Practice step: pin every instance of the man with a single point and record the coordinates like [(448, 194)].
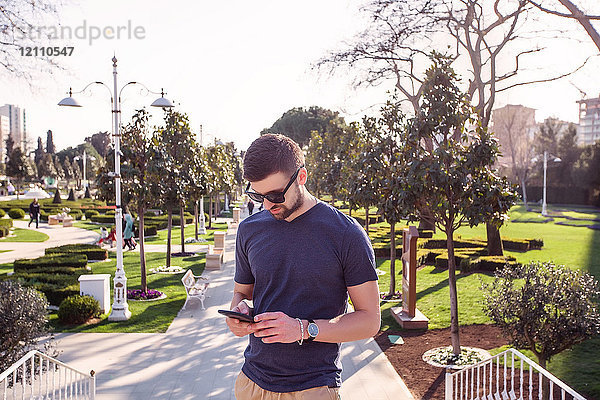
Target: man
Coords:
[(297, 261), (34, 213)]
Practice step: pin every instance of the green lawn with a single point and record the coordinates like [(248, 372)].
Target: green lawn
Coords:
[(5, 268), (90, 226), (189, 232), (577, 247), (154, 316), (25, 235)]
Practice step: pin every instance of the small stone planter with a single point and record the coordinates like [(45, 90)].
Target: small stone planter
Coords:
[(468, 356)]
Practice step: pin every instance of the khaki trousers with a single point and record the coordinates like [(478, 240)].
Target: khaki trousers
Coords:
[(246, 389)]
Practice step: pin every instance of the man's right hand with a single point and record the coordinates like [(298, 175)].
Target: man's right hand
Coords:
[(237, 327)]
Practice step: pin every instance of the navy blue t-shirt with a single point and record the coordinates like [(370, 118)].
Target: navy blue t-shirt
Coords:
[(302, 268)]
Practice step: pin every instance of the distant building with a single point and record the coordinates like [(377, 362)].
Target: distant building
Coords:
[(4, 132), (17, 125), (588, 130)]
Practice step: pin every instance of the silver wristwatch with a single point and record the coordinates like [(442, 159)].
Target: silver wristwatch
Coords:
[(313, 330)]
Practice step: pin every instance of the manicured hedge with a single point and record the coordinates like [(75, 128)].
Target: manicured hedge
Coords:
[(458, 243), (76, 214), (90, 213), (56, 260), (441, 261), (2, 213), (103, 219), (489, 263), (149, 230), (92, 251), (16, 213), (6, 222), (4, 231)]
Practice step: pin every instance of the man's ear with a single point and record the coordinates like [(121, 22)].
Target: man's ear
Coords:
[(302, 176)]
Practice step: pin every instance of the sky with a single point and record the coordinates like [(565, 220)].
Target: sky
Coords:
[(235, 67)]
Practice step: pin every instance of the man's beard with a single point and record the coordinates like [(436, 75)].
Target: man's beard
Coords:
[(285, 211)]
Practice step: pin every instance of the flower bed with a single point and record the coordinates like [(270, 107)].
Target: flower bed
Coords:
[(163, 269), (139, 295), (193, 240)]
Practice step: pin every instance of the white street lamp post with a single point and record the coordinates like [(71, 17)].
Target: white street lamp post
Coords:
[(120, 308), (544, 205), (84, 158), (202, 227)]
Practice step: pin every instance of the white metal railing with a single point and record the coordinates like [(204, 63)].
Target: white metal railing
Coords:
[(507, 375), (38, 376)]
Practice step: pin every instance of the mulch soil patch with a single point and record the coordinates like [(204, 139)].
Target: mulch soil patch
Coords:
[(426, 381)]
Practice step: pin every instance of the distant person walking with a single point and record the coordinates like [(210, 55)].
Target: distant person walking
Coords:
[(250, 207), (34, 213), (128, 231)]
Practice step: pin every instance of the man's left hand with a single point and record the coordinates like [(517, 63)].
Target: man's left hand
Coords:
[(276, 327)]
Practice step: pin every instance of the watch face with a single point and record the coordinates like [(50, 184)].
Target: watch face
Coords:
[(313, 330)]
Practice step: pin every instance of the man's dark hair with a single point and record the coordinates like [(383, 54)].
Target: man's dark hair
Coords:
[(270, 154)]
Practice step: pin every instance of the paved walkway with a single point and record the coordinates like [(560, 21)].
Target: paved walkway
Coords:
[(198, 358), (57, 236)]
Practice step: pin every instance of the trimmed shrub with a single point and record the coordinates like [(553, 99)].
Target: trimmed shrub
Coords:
[(515, 244), (103, 219), (55, 260), (16, 213), (149, 230), (92, 251), (6, 223), (111, 212), (78, 309), (4, 231), (425, 234), (91, 213), (536, 244), (458, 243), (441, 261), (491, 263), (76, 214), (2, 213)]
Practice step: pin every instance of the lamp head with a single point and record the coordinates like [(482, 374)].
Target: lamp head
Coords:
[(161, 101), (69, 101)]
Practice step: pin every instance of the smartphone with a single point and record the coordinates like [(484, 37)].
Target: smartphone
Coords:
[(236, 315)]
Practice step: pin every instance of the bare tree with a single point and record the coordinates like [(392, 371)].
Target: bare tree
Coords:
[(404, 32), (27, 23), (585, 20), (514, 125)]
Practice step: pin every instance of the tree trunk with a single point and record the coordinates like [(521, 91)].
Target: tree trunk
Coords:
[(453, 293), (196, 219), (169, 226), (367, 219), (494, 241), (182, 227), (524, 190), (144, 284), (217, 206), (210, 211), (392, 259)]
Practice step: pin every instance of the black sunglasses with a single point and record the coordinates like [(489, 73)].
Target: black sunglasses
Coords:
[(273, 197)]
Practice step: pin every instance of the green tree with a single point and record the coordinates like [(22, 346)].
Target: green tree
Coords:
[(388, 134), (50, 148), (139, 184), (45, 167), (453, 183), (19, 168), (543, 308), (101, 142), (362, 170), (39, 152), (174, 145), (298, 123)]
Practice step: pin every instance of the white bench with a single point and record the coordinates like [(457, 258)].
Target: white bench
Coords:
[(195, 287)]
